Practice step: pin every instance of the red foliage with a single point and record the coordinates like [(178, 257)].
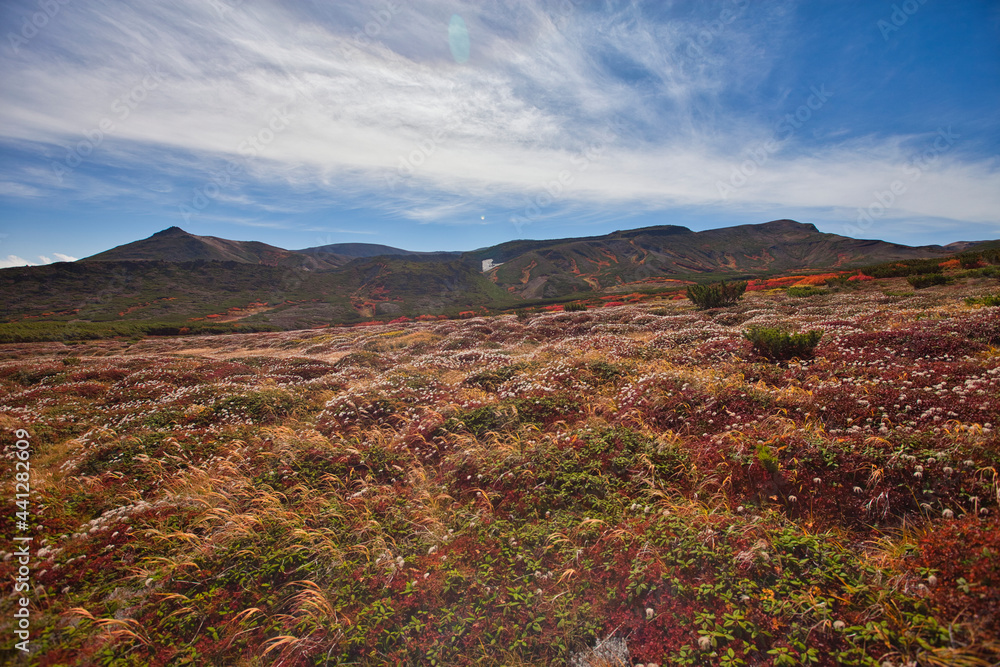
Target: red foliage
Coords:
[(964, 556)]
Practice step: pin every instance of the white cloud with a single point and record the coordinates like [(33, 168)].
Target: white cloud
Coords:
[(14, 260), (395, 121)]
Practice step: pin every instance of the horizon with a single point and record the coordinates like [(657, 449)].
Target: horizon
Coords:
[(465, 250), (429, 125)]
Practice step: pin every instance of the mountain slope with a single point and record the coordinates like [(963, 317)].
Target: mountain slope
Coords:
[(176, 245), (545, 269), (355, 250), (177, 277)]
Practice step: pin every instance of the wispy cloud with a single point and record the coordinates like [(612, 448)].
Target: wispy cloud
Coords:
[(180, 92), (14, 260)]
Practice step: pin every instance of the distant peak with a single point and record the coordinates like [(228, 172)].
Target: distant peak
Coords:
[(794, 224), (171, 231)]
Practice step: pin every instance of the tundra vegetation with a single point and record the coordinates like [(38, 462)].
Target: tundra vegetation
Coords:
[(515, 490)]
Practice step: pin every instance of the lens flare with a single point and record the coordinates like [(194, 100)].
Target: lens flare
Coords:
[(458, 39)]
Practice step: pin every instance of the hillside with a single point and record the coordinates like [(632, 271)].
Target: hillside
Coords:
[(176, 245), (513, 491), (177, 278), (533, 269)]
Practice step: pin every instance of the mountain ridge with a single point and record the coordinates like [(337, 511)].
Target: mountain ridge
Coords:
[(180, 277)]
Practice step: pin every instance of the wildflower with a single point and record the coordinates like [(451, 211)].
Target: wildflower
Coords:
[(649, 613), (948, 514), (704, 642), (839, 625)]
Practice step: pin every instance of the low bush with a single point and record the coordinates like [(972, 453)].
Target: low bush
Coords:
[(575, 307), (927, 280), (804, 291), (716, 296), (988, 300), (776, 344)]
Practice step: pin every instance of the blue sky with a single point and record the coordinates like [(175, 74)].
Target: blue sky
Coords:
[(438, 124)]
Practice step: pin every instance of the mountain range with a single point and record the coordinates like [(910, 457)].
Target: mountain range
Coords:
[(177, 276)]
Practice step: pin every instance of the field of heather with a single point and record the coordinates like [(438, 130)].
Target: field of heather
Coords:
[(625, 485)]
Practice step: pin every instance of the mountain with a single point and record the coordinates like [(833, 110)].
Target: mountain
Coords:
[(176, 245), (547, 269), (367, 250), (179, 278)]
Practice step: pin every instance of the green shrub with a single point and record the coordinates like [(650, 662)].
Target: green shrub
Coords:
[(716, 296), (605, 372), (927, 280), (971, 261), (806, 290), (776, 344), (575, 307), (767, 459), (984, 272), (491, 380), (988, 300)]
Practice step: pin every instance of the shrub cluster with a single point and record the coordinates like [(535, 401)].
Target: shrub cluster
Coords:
[(927, 280), (575, 307), (716, 296), (804, 290), (776, 344), (988, 300)]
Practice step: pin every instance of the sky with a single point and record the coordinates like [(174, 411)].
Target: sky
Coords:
[(449, 125)]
